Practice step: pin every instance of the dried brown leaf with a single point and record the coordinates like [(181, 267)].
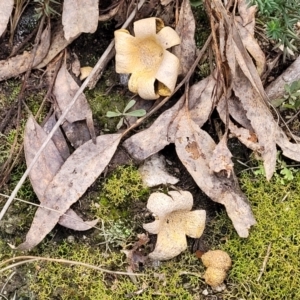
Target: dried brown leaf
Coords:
[(19, 64), (162, 131), (165, 2), (185, 28), (79, 16), (57, 44), (195, 149), (45, 169), (79, 171), (246, 12), (261, 120), (58, 137), (275, 90), (6, 7), (221, 158), (64, 90), (251, 44)]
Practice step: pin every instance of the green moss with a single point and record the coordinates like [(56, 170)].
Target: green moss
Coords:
[(118, 191), (62, 281), (276, 208), (102, 102), (9, 93)]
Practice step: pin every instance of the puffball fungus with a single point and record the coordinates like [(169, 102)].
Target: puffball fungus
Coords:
[(174, 221), (153, 69), (218, 262)]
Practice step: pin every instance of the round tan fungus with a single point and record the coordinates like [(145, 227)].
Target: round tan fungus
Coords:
[(216, 259), (214, 276)]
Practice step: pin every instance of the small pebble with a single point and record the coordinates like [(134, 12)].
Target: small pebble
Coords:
[(71, 239)]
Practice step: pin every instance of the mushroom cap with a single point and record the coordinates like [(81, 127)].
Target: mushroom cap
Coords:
[(171, 238), (153, 69), (161, 204), (174, 221), (214, 276), (216, 259)]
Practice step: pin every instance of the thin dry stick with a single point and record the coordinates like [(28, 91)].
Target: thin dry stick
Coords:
[(45, 207), (62, 117), (29, 259), (263, 267)]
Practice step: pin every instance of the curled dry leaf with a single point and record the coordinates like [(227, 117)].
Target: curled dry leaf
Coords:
[(174, 221), (6, 8), (79, 16), (57, 44), (275, 90), (45, 169), (78, 172), (185, 28), (154, 172), (19, 64), (221, 158), (195, 149), (64, 90), (250, 43)]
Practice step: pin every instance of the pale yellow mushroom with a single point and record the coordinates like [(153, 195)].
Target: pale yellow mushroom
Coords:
[(153, 69), (174, 221)]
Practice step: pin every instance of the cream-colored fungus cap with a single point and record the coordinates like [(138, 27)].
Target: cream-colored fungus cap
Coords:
[(153, 69), (174, 221)]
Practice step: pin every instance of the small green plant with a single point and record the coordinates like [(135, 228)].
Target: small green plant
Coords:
[(44, 8), (126, 113), (291, 98), (284, 173), (279, 18), (116, 233)]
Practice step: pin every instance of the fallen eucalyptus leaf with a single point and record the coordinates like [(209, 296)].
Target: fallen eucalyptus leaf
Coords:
[(261, 120), (221, 158), (58, 137), (19, 64), (47, 165), (6, 7), (79, 171), (64, 90), (195, 149), (162, 132), (57, 44), (185, 28), (79, 16)]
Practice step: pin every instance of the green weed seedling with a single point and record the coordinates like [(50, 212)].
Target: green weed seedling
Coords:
[(284, 173), (291, 98), (125, 113), (279, 18)]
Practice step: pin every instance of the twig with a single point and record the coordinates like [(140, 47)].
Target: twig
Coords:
[(30, 259), (62, 117), (51, 209), (264, 262)]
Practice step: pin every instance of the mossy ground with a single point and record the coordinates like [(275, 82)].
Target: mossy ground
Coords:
[(276, 208)]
